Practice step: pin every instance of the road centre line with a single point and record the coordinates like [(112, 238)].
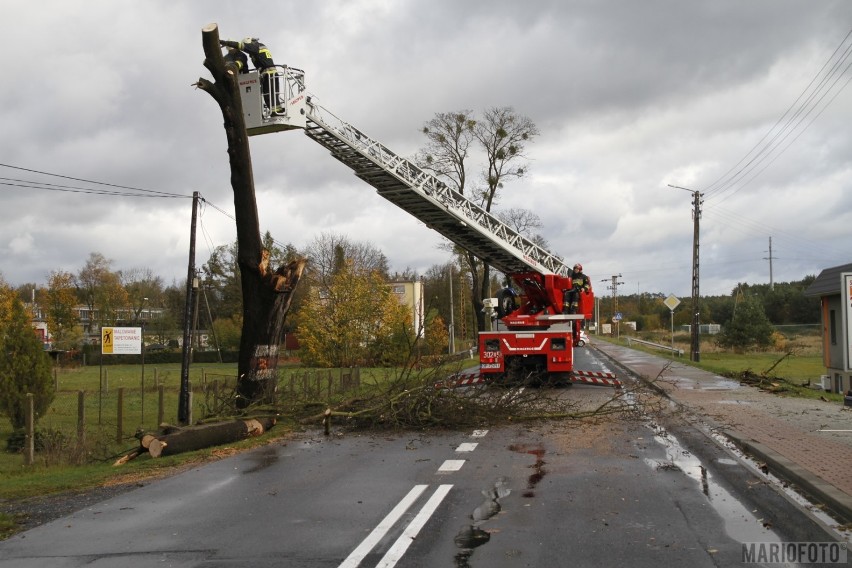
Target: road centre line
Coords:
[(382, 528), (395, 553), (451, 465)]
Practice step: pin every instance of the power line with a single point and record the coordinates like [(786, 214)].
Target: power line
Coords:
[(74, 189), (728, 181), (229, 216)]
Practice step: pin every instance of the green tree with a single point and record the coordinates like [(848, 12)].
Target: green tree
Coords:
[(749, 327), (7, 299), (24, 368), (221, 279), (59, 301), (437, 337), (228, 332), (354, 319)]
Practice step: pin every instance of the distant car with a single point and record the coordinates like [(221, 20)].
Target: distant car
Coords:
[(583, 339), (155, 347)]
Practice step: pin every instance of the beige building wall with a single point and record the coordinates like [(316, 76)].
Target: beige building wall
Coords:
[(410, 294)]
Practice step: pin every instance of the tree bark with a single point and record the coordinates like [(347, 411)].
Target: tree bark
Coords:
[(267, 293), (206, 435)]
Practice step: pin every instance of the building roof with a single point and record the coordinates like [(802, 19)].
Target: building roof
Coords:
[(828, 281)]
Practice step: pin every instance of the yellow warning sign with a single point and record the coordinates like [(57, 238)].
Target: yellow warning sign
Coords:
[(106, 340), (121, 340)]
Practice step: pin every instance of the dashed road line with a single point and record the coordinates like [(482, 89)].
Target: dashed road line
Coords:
[(451, 465), (400, 546)]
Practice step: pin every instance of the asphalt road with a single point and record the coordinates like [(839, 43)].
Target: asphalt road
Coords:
[(611, 493)]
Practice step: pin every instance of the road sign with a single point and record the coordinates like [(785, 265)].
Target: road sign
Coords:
[(121, 340), (617, 316), (671, 302)]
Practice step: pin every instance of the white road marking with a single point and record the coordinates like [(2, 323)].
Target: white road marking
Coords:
[(383, 527), (451, 465), (395, 553)]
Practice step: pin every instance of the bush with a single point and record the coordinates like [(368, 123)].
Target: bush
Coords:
[(24, 369), (749, 327)]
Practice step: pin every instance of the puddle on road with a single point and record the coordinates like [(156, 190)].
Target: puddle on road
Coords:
[(719, 384), (472, 536), (740, 523)]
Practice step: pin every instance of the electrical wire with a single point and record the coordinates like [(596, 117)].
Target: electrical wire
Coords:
[(75, 189), (830, 79)]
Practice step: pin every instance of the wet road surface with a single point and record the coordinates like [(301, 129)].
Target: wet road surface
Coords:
[(613, 492)]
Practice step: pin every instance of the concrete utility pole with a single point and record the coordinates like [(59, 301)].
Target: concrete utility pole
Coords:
[(769, 258), (695, 349)]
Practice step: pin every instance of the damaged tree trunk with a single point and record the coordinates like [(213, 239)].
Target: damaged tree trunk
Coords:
[(267, 293)]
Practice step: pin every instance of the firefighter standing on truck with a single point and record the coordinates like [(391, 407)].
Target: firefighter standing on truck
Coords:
[(580, 283), (261, 57)]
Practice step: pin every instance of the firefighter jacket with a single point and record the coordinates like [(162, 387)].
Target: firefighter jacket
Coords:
[(260, 56)]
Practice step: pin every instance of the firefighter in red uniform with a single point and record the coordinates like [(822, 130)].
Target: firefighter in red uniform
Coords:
[(261, 58), (580, 284)]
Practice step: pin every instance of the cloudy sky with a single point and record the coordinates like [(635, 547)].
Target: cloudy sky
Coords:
[(745, 101)]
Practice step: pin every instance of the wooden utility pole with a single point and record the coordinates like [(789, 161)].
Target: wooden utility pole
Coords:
[(267, 292), (183, 396)]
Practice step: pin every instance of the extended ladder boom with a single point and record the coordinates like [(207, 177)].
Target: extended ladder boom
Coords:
[(408, 186)]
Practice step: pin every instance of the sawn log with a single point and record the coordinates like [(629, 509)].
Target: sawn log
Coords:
[(192, 438)]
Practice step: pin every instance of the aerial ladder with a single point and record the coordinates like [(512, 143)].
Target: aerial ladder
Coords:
[(538, 338)]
